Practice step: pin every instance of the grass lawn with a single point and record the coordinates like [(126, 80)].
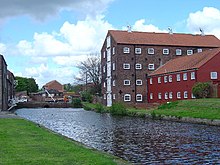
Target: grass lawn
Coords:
[(23, 142)]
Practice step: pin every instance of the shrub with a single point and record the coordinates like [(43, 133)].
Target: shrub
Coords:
[(118, 109), (77, 103), (168, 105), (201, 90), (86, 96), (99, 108)]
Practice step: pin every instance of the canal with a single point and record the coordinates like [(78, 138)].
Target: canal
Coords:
[(140, 141)]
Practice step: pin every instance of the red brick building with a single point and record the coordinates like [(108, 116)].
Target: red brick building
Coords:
[(128, 57), (174, 80), (55, 85)]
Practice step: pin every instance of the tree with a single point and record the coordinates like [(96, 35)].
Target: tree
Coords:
[(90, 72), (26, 84), (201, 90)]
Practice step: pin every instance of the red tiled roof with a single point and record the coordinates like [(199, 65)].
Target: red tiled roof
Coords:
[(51, 82), (187, 62), (167, 39)]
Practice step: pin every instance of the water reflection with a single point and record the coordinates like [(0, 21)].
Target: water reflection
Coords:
[(141, 141)]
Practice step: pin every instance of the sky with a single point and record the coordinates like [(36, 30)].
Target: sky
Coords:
[(46, 40)]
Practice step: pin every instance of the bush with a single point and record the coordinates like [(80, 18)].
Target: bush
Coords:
[(118, 109), (201, 90), (77, 103), (99, 108), (86, 96), (168, 105)]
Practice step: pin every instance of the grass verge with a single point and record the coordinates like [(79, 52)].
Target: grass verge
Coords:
[(23, 142)]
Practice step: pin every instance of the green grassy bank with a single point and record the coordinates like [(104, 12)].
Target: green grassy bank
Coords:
[(196, 108), (23, 142)]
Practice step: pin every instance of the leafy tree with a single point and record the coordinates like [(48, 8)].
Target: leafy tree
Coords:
[(201, 90), (90, 72), (26, 84)]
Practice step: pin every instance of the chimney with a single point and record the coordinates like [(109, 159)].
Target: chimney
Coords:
[(129, 28)]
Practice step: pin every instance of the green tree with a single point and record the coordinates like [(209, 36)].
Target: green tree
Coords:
[(26, 84), (201, 90)]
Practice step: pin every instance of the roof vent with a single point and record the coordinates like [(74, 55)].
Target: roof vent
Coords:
[(129, 28), (202, 32), (170, 30)]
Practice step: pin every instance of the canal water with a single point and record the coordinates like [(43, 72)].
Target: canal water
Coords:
[(140, 141)]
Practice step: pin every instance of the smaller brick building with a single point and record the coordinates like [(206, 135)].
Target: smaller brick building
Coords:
[(174, 80), (55, 85)]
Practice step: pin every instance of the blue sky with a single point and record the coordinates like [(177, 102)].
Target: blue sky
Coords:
[(47, 39)]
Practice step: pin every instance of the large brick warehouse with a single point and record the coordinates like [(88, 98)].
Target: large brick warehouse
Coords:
[(127, 58)]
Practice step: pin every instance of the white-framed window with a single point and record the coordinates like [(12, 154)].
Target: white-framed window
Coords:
[(166, 95), (127, 97), (138, 82), (113, 96), (199, 50), (108, 44), (178, 95), (137, 50), (127, 82), (170, 95), (159, 80), (193, 76), (104, 84), (104, 54), (184, 76), (139, 97), (150, 50), (150, 66), (151, 81), (103, 69), (113, 66), (126, 50), (138, 66), (104, 96), (177, 77), (170, 78), (213, 75), (126, 66), (113, 50), (151, 96), (192, 96), (159, 96), (166, 51), (178, 52), (165, 79), (189, 52), (185, 95), (113, 83)]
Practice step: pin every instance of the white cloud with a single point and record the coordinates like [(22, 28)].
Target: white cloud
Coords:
[(69, 60), (2, 48), (140, 25), (208, 19)]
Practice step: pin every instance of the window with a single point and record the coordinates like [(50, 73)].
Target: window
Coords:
[(189, 52), (170, 78), (166, 95), (138, 66), (193, 77), (137, 50), (139, 97), (113, 83), (150, 66), (104, 96), (113, 50), (178, 52), (126, 50), (113, 96), (127, 82), (171, 95), (126, 66), (104, 54), (192, 96), (159, 96), (185, 95), (151, 81), (178, 95), (214, 75), (127, 97), (113, 66), (178, 77), (104, 85), (108, 41), (165, 79), (138, 82), (159, 80), (184, 76), (165, 51), (199, 50), (103, 69), (151, 96), (150, 50)]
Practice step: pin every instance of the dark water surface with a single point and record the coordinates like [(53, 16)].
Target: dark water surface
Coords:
[(140, 141)]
